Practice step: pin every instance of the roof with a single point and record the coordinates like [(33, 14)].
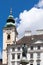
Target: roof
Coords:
[(30, 39), (25, 39)]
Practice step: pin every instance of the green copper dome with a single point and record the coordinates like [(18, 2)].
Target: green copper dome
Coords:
[(10, 20)]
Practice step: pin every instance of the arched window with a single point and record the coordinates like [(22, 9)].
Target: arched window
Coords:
[(8, 37)]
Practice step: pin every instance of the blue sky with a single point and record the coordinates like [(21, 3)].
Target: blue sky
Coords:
[(30, 13), (18, 6)]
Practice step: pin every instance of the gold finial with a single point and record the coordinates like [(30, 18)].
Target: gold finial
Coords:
[(11, 11)]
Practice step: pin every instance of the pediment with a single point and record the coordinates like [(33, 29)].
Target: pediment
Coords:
[(38, 42)]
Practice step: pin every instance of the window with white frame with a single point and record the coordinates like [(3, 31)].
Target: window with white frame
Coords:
[(18, 56), (13, 49), (13, 56), (31, 55), (38, 55), (38, 47), (31, 47), (13, 63), (18, 63), (18, 48)]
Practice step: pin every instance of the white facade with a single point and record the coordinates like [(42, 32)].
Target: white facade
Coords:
[(28, 33), (34, 54), (39, 32), (12, 52)]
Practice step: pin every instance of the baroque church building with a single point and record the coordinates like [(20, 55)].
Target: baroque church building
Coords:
[(12, 49)]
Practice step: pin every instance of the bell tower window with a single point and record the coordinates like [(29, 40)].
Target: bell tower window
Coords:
[(8, 37)]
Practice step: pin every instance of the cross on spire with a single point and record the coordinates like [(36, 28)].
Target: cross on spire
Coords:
[(11, 11)]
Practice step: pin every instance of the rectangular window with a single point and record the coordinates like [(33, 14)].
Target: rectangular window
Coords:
[(18, 63), (18, 48), (18, 55), (13, 63), (31, 55), (13, 49), (38, 55), (13, 56), (31, 47), (38, 47)]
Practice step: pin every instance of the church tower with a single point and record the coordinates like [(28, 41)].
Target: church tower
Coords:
[(9, 35)]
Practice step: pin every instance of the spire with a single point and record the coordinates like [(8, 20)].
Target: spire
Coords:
[(10, 20), (11, 11)]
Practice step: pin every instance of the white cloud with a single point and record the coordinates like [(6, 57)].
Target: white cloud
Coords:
[(40, 4), (17, 22), (32, 19)]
